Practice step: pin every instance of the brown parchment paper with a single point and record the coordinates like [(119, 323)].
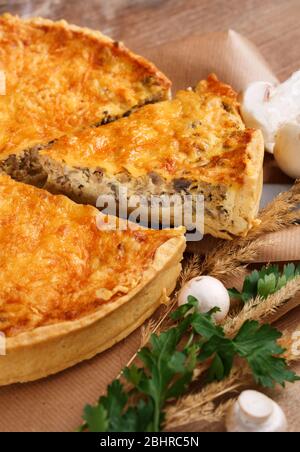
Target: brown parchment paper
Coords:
[(56, 403), (230, 55)]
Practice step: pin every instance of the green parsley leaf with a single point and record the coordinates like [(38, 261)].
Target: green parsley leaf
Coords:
[(250, 285), (96, 418), (162, 362), (183, 310), (266, 285), (234, 293), (205, 326), (265, 282), (223, 350), (114, 404), (256, 343)]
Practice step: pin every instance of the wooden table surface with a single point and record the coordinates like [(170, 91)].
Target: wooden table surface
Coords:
[(273, 25)]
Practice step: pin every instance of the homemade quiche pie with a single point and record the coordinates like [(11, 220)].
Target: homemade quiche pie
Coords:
[(59, 78), (69, 290), (194, 144)]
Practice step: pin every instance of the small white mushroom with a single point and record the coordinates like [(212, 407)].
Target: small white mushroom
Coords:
[(255, 412), (287, 149), (209, 292), (268, 107)]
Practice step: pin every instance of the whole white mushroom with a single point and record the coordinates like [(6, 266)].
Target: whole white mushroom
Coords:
[(255, 412), (209, 292), (255, 111), (287, 149), (267, 107)]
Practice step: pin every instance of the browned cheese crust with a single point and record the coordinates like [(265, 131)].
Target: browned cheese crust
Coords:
[(194, 144), (69, 289), (61, 77)]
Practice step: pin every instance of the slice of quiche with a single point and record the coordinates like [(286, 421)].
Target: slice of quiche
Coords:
[(60, 77), (69, 290), (195, 144)]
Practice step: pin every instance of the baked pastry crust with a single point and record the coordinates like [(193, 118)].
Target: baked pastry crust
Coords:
[(68, 289), (194, 144), (61, 77)]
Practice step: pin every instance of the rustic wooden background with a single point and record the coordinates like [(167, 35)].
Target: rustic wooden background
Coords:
[(271, 24)]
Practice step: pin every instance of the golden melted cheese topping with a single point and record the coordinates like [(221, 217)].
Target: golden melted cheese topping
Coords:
[(61, 77), (198, 134), (56, 265)]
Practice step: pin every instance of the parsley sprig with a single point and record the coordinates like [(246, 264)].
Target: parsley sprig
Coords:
[(168, 363), (265, 282)]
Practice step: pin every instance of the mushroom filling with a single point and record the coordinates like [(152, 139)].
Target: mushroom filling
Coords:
[(85, 185), (25, 167)]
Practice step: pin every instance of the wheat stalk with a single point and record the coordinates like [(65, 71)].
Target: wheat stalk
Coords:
[(229, 257), (280, 213), (259, 309), (203, 406)]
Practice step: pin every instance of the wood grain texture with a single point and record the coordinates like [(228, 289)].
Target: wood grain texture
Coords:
[(273, 25)]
